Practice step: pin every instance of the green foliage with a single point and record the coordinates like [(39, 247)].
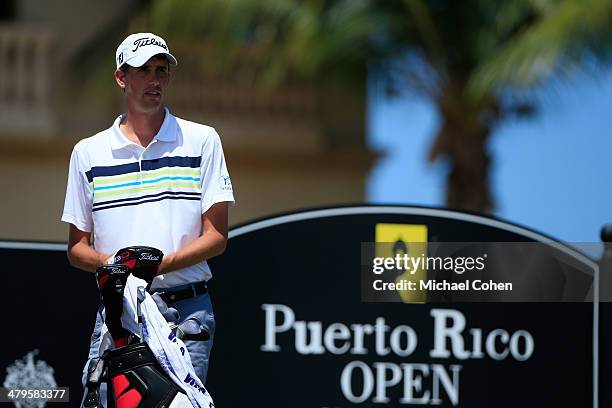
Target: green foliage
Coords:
[(562, 34), (279, 39), (475, 59), (481, 46)]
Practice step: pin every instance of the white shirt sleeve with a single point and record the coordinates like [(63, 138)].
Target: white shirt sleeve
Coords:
[(79, 195), (216, 182)]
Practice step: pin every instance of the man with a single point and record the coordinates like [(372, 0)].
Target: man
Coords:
[(156, 180)]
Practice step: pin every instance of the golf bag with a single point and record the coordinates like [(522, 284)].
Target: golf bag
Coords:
[(134, 377)]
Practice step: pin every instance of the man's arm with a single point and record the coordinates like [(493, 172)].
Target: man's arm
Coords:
[(211, 243), (80, 253)]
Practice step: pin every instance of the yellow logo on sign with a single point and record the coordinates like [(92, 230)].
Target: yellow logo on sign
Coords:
[(408, 239)]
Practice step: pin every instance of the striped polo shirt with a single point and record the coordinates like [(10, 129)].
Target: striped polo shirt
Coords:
[(130, 195)]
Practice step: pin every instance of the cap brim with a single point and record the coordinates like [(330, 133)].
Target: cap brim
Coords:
[(140, 59)]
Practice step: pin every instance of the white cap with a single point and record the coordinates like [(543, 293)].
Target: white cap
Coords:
[(137, 48)]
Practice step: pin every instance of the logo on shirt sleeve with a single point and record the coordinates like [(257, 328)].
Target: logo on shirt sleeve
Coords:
[(226, 183)]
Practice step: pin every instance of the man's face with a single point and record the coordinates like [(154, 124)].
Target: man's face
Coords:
[(144, 86)]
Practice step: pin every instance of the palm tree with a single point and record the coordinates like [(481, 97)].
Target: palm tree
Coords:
[(474, 59)]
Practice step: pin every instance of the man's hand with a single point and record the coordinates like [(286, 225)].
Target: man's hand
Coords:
[(166, 264)]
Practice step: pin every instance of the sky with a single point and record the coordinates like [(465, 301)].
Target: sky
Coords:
[(552, 173)]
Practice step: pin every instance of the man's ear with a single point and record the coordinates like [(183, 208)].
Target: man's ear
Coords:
[(120, 78)]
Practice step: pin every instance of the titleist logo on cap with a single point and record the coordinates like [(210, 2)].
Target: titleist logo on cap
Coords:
[(141, 42), (138, 48)]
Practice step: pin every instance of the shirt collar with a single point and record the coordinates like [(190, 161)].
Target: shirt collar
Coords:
[(167, 131)]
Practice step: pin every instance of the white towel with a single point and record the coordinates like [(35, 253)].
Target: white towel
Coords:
[(169, 350)]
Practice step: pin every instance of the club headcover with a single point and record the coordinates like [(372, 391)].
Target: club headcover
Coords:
[(142, 261)]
